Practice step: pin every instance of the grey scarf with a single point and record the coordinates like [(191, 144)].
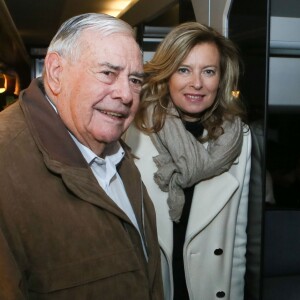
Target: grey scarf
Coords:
[(184, 161)]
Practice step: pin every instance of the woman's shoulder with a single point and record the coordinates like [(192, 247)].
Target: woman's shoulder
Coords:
[(138, 141), (247, 142), (246, 130)]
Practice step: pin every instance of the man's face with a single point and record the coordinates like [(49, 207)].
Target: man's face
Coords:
[(100, 90)]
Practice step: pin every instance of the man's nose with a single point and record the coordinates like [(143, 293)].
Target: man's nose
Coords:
[(122, 90)]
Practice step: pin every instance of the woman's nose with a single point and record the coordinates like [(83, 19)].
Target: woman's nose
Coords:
[(196, 81)]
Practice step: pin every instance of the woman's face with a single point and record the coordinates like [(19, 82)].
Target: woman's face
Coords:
[(194, 85)]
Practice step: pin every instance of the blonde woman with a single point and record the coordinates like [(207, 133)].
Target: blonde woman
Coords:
[(193, 151)]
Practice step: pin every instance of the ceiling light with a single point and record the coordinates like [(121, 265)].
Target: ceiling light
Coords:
[(3, 83), (118, 8)]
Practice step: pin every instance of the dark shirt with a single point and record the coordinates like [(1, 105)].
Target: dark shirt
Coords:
[(179, 229)]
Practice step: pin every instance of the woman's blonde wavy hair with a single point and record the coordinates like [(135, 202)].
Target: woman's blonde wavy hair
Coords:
[(170, 53)]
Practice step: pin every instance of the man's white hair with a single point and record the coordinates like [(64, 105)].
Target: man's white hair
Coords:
[(66, 42)]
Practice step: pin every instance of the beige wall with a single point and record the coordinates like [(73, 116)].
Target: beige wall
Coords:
[(213, 13)]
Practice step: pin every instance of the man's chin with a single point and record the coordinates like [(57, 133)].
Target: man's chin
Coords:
[(111, 139)]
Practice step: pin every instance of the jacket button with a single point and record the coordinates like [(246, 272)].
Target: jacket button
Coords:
[(220, 294), (218, 251)]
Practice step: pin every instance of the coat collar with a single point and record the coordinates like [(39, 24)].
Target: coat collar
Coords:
[(47, 128)]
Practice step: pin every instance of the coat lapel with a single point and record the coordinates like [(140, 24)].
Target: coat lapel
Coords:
[(85, 186), (210, 196), (133, 186)]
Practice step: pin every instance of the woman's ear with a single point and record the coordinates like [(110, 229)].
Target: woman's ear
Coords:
[(53, 69)]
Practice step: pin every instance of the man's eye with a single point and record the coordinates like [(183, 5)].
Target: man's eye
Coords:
[(136, 84), (107, 76), (136, 81), (107, 73)]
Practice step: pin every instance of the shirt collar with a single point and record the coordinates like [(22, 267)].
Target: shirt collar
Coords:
[(115, 155)]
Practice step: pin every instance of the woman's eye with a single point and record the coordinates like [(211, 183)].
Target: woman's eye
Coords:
[(183, 70), (209, 72)]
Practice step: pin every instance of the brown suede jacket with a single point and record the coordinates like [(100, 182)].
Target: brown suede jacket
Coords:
[(61, 236)]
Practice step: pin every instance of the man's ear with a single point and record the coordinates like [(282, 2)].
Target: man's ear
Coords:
[(53, 68)]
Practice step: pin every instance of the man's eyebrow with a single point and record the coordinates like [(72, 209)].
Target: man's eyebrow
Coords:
[(141, 75), (109, 65), (119, 68)]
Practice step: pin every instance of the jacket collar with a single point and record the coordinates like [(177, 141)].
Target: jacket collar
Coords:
[(47, 128)]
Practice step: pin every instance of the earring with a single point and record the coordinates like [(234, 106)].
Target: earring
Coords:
[(235, 94)]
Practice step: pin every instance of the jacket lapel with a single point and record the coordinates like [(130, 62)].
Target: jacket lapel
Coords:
[(210, 196), (84, 185), (133, 186), (134, 189)]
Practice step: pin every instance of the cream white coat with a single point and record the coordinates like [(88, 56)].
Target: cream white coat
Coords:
[(218, 220)]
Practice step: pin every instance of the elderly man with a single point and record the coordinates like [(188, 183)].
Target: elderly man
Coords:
[(75, 219)]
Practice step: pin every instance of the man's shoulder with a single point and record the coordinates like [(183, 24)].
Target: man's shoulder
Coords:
[(12, 124)]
